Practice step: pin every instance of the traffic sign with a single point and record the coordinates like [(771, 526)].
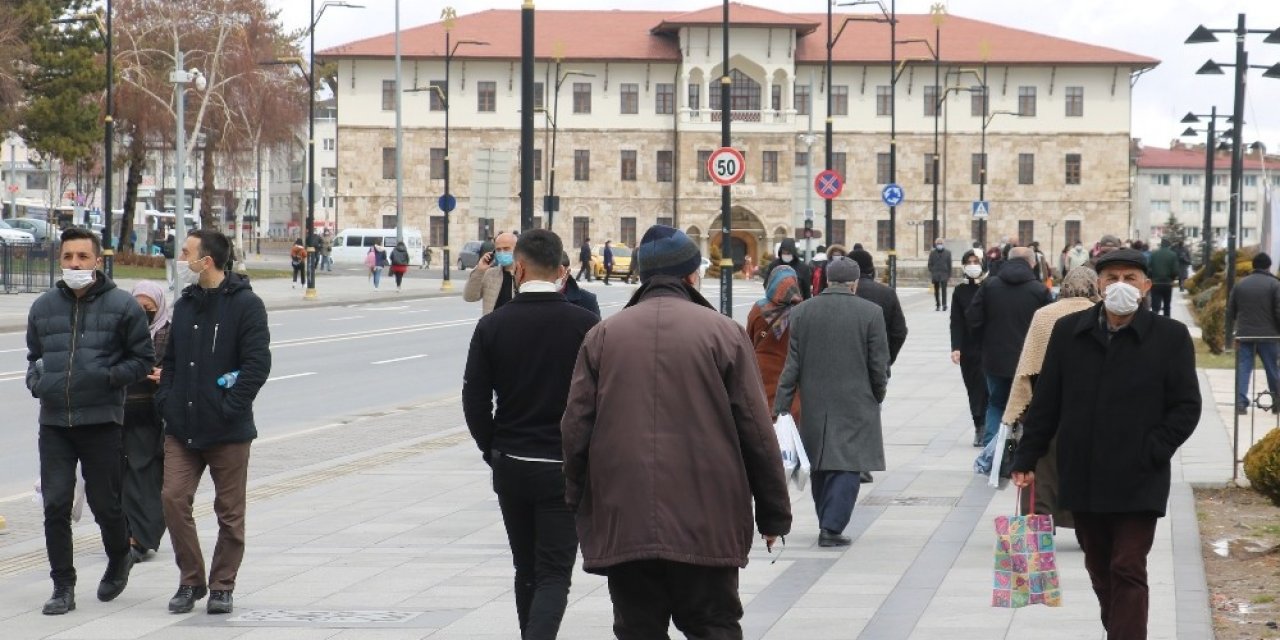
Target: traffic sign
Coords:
[(892, 194), (448, 203), (13, 188), (828, 184), (981, 208), (726, 166)]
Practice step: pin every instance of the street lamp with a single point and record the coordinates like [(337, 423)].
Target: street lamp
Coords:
[(938, 11), (982, 169), (180, 78), (1210, 144), (551, 204), (829, 134)]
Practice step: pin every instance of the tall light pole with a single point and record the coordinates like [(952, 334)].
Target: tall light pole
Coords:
[(982, 169), (399, 137), (526, 115), (180, 77), (726, 206), (552, 203), (108, 137), (1210, 151), (889, 15)]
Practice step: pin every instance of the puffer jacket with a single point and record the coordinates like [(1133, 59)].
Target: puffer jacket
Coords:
[(214, 332), (83, 352)]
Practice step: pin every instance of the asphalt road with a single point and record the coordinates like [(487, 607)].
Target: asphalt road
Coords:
[(330, 364)]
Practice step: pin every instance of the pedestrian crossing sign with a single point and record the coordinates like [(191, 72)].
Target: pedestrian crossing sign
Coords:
[(981, 208)]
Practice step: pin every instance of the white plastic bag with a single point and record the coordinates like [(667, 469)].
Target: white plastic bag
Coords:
[(795, 462), (77, 507), (998, 455)]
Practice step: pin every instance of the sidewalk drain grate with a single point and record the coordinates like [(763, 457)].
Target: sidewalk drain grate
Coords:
[(910, 501), (325, 617)]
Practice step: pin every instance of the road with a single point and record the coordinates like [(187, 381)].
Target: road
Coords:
[(329, 364)]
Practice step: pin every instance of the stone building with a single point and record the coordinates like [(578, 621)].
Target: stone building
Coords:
[(640, 114)]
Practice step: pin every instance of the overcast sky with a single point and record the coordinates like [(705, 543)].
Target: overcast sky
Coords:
[(1155, 28)]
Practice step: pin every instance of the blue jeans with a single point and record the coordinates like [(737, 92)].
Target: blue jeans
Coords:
[(1244, 368), (834, 493), (997, 397), (377, 276)]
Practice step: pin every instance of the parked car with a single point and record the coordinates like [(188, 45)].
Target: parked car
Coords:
[(469, 256), (42, 230), (621, 260), (11, 235)]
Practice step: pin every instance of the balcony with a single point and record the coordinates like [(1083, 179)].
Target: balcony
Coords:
[(748, 116)]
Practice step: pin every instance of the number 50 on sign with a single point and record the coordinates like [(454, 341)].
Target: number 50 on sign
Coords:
[(726, 166)]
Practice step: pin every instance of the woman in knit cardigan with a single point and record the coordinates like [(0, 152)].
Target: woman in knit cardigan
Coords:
[(1079, 291)]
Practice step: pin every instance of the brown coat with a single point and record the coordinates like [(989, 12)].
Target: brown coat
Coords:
[(771, 355), (667, 437)]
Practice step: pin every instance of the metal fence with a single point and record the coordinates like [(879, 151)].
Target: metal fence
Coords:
[(28, 267)]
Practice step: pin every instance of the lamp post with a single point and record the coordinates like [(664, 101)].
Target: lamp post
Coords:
[(829, 135), (982, 169), (726, 210), (526, 114), (552, 204), (1210, 149), (180, 77)]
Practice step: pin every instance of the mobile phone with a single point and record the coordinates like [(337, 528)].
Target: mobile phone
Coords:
[(488, 258)]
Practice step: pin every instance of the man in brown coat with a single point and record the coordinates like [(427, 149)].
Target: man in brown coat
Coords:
[(667, 442)]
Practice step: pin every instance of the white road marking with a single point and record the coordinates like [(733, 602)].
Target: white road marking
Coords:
[(13, 373), (345, 318), (371, 333), (422, 355), (12, 350), (296, 375), (373, 308), (418, 311)]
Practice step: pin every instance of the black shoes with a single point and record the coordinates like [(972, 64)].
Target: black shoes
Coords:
[(185, 599), (62, 601), (1242, 411), (116, 578), (219, 602), (977, 439), (865, 477), (832, 539)]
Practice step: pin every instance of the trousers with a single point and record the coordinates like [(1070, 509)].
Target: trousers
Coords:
[(228, 465), (940, 294), (998, 388), (97, 449), (834, 494), (649, 595), (975, 383), (1162, 298), (143, 473), (1267, 352), (1115, 554)]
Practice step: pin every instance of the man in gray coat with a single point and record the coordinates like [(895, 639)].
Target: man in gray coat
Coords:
[(939, 273), (835, 336), (1254, 309)]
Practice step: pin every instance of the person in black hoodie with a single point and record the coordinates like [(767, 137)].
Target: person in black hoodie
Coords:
[(999, 317), (219, 357), (966, 348), (521, 440), (575, 294), (886, 297), (787, 255)]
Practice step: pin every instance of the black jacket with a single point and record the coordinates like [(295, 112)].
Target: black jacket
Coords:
[(894, 321), (803, 274), (214, 332), (962, 337), (584, 253), (1001, 314), (580, 297), (1121, 404), (399, 256), (1254, 306), (83, 352)]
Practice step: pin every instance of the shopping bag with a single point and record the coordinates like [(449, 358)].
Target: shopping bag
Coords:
[(795, 463), (77, 504), (1026, 570), (996, 459)]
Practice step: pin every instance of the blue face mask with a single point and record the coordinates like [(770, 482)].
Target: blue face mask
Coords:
[(504, 258)]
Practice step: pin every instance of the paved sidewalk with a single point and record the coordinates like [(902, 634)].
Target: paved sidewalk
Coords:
[(406, 541)]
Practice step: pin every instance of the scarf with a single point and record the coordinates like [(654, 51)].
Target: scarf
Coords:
[(156, 293), (780, 297)]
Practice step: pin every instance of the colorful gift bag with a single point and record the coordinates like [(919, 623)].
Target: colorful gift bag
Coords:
[(1026, 570)]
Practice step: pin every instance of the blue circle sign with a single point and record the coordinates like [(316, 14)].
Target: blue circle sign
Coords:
[(448, 203), (892, 194)]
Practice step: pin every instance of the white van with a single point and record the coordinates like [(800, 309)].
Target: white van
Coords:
[(351, 245)]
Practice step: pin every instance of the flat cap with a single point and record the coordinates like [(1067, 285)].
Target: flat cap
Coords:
[(842, 269), (1125, 257)]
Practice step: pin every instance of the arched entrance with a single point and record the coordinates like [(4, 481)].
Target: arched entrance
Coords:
[(746, 239)]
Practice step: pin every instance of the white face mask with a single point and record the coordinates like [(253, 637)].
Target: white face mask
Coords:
[(786, 258), (185, 274), (972, 271), (1122, 298), (77, 278)]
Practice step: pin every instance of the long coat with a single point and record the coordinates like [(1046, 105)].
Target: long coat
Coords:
[(838, 357), (771, 355), (1120, 404)]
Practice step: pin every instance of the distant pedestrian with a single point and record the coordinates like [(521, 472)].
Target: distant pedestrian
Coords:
[(86, 341), (575, 294), (667, 448), (426, 258), (820, 274), (1164, 270), (1184, 263), (939, 273), (584, 261), (521, 440), (607, 255), (966, 346), (399, 263), (1118, 426), (790, 257), (298, 260), (493, 287), (868, 289), (993, 261), (839, 361), (769, 327), (144, 434), (326, 251), (376, 260), (1253, 307), (220, 336), (1078, 257)]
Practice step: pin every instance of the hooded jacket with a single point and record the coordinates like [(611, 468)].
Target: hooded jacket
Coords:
[(803, 274), (1001, 313), (83, 352), (214, 332)]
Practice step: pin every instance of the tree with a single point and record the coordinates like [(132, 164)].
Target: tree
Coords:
[(13, 49), (1174, 231)]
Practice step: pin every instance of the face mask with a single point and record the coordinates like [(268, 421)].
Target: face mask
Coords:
[(938, 247), (786, 258), (504, 258), (77, 278), (1122, 298), (972, 271), (185, 274)]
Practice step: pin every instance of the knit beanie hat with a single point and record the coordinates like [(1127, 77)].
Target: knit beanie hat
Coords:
[(842, 269), (667, 251), (865, 263)]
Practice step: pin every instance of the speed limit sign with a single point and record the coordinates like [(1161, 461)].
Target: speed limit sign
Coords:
[(726, 166)]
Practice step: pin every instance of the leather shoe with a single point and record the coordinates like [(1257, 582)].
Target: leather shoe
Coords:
[(185, 599), (977, 439), (62, 601), (116, 577), (865, 477), (219, 602), (831, 539)]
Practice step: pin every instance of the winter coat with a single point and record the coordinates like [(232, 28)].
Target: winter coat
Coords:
[(1001, 314), (607, 256), (584, 253), (581, 297), (962, 337), (1077, 257), (803, 274), (83, 352), (771, 356), (667, 437), (887, 299), (1254, 306), (940, 265), (838, 357), (379, 257), (214, 332), (144, 390), (1121, 404), (1163, 266), (485, 286), (399, 257)]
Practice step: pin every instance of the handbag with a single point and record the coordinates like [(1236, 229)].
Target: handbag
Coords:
[(1026, 568)]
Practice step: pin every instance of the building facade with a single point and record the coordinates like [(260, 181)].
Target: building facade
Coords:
[(637, 112)]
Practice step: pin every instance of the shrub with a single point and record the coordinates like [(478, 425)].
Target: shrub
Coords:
[(1262, 466)]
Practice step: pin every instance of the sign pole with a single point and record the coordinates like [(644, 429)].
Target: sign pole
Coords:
[(726, 218)]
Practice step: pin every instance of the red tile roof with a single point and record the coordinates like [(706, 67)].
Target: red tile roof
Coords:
[(648, 36), (1192, 159)]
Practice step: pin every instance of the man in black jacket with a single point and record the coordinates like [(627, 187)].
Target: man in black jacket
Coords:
[(219, 356), (886, 297), (1118, 426), (521, 440), (1000, 316), (82, 407), (787, 255), (1254, 309), (584, 260), (575, 294)]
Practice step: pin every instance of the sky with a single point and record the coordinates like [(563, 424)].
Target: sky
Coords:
[(1154, 28)]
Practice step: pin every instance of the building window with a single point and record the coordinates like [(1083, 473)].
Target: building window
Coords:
[(769, 166), (1026, 101), (1072, 230), (435, 231), (581, 230), (627, 232), (839, 100), (744, 93), (1075, 102), (1219, 206), (802, 159), (838, 164), (884, 99), (388, 163), (803, 98), (930, 101), (1161, 179), (630, 98), (666, 221), (539, 102), (581, 165), (1159, 205), (437, 163), (703, 156), (882, 169), (666, 168), (1026, 232), (1250, 181), (882, 234), (978, 164), (1221, 180), (775, 100), (837, 232), (1190, 206), (1190, 179), (1073, 168), (582, 97), (927, 236), (930, 169), (628, 165), (695, 96), (388, 95), (537, 164), (1026, 168), (665, 99), (978, 102), (436, 96), (330, 144), (487, 96), (1249, 206)]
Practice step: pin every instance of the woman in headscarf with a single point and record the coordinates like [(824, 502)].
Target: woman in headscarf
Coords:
[(768, 324), (1078, 292), (144, 434), (966, 348)]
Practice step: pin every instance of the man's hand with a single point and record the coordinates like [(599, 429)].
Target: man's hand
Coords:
[(955, 357), (1024, 479), (155, 375), (769, 541), (485, 262)]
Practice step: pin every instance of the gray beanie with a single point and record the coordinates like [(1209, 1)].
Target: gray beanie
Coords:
[(843, 269), (668, 251)]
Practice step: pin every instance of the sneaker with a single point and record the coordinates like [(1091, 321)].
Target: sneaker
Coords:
[(219, 602), (185, 599), (116, 578), (62, 601)]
